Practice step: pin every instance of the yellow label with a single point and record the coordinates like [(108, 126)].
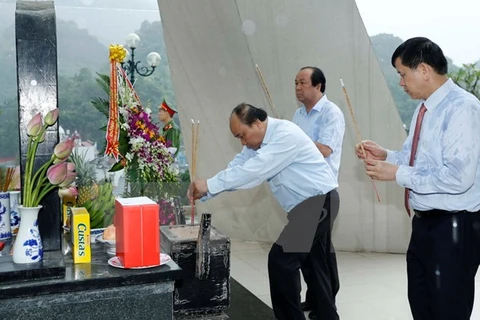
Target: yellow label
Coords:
[(81, 235), (67, 204)]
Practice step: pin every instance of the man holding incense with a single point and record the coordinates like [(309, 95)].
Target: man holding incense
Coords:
[(279, 152), (324, 123), (439, 167), (170, 130)]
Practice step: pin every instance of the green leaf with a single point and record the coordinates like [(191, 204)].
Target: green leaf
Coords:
[(116, 167)]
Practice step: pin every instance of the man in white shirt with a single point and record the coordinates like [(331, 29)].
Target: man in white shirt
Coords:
[(439, 167), (279, 152), (324, 123)]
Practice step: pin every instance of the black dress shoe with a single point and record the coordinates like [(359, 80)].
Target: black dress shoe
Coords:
[(312, 315), (305, 306)]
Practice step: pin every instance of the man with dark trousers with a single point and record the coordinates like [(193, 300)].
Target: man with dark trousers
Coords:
[(324, 123), (439, 167), (279, 152)]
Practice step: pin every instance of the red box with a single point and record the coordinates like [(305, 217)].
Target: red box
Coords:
[(137, 232)]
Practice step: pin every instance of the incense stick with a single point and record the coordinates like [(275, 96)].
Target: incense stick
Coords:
[(359, 137), (193, 173), (267, 93)]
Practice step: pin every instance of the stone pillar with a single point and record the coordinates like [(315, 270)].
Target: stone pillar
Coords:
[(36, 42)]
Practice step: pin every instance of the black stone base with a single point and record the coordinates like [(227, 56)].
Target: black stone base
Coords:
[(93, 291), (52, 267), (243, 305), (194, 297), (221, 316)]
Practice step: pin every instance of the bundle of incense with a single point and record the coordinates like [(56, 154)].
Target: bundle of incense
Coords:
[(5, 178)]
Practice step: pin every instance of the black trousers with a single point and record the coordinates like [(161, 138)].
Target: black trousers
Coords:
[(332, 205), (303, 240), (442, 260)]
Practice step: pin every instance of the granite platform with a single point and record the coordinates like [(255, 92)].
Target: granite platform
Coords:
[(95, 290)]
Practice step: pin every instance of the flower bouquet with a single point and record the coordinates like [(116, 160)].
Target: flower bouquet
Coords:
[(133, 139), (53, 174)]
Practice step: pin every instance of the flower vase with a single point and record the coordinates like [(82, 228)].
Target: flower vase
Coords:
[(5, 230), (28, 244), (14, 213)]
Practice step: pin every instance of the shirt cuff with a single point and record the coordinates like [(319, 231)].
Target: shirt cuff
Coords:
[(214, 186), (206, 197), (390, 156), (404, 176)]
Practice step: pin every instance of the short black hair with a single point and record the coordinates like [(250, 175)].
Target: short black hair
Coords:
[(248, 114), (421, 50), (317, 78)]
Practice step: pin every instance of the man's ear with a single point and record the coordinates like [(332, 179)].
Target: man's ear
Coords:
[(425, 69), (257, 124)]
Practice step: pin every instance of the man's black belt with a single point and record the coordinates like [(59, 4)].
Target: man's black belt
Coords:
[(435, 213)]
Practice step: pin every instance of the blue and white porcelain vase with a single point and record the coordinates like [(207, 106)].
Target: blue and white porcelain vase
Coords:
[(28, 244), (5, 230), (14, 213)]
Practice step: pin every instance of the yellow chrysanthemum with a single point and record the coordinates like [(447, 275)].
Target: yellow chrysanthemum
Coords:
[(117, 53)]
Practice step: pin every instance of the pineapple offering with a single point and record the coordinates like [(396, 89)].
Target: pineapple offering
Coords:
[(97, 198)]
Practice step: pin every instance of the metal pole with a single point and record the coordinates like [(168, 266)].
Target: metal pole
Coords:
[(132, 67)]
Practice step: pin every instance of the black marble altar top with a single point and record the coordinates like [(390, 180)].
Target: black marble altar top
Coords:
[(89, 276)]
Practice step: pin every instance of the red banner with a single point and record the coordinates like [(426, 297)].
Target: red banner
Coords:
[(113, 131)]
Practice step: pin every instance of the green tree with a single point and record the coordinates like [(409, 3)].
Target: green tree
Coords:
[(468, 78), (76, 111)]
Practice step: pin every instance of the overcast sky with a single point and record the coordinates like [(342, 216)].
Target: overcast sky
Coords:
[(453, 25)]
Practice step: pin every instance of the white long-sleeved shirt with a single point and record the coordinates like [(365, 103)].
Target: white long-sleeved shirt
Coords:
[(324, 124), (288, 159), (446, 172)]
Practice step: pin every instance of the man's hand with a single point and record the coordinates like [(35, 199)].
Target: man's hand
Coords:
[(372, 151), (197, 190), (380, 170)]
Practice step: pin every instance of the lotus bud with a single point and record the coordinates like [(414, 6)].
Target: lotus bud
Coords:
[(70, 166), (64, 149), (41, 138), (69, 178), (51, 117), (57, 173), (67, 192), (35, 125)]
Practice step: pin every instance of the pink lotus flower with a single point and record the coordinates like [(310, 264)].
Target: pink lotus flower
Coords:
[(35, 125), (57, 173), (70, 166), (69, 178), (71, 191), (51, 117), (63, 150), (37, 183)]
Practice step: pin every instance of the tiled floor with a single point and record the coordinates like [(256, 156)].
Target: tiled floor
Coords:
[(372, 285)]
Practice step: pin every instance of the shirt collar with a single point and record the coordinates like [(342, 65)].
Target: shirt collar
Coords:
[(320, 103), (271, 122), (318, 106), (435, 98)]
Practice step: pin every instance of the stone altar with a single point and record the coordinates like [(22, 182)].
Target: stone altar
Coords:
[(194, 297), (90, 291)]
